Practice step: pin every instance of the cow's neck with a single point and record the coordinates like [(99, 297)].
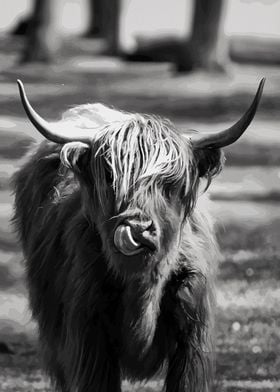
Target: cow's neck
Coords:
[(141, 305)]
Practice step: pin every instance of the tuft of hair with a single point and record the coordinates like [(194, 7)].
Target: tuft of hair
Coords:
[(140, 151)]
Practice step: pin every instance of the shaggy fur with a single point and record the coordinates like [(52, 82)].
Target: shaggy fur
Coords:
[(104, 316)]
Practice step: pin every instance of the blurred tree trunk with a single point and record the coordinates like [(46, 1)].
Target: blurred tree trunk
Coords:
[(112, 14), (97, 19), (207, 46), (21, 27), (43, 40), (105, 22)]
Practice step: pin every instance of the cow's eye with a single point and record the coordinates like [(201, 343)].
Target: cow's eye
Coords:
[(174, 190), (108, 175), (169, 191)]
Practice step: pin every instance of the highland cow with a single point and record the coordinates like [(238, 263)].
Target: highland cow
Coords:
[(120, 252)]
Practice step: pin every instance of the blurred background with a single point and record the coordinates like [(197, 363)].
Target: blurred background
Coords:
[(198, 63)]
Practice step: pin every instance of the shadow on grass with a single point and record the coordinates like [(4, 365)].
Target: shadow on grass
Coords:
[(8, 241), (9, 279), (254, 268), (14, 145), (245, 154), (235, 237)]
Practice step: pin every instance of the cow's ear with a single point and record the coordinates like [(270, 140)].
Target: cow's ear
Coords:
[(209, 162), (75, 156)]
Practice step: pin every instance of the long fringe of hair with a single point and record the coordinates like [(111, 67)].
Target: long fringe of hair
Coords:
[(140, 153)]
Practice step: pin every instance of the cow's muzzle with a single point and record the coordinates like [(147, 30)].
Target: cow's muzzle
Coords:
[(133, 236)]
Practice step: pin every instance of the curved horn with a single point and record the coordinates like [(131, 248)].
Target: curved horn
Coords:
[(47, 130), (230, 135)]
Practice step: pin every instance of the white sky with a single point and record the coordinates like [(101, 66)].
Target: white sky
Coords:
[(159, 16)]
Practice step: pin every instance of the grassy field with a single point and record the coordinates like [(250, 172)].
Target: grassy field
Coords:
[(246, 201)]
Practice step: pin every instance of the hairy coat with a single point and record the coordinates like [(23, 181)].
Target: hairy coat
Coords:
[(104, 315)]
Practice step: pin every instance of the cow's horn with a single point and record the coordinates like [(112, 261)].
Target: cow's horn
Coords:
[(50, 131), (230, 135)]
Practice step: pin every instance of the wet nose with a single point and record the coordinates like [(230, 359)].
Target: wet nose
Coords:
[(138, 226), (143, 232)]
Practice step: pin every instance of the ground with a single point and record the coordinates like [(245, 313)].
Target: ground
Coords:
[(245, 200)]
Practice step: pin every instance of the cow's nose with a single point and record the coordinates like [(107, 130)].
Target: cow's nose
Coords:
[(143, 232), (133, 236), (139, 226)]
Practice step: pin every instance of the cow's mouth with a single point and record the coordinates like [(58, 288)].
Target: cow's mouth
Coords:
[(124, 241)]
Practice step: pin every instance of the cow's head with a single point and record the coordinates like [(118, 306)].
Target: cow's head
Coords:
[(139, 177)]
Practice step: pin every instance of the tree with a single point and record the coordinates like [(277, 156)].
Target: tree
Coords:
[(97, 20), (43, 39), (112, 10), (207, 46), (105, 22)]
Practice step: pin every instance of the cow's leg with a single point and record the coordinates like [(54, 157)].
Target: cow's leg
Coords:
[(190, 363), (106, 379)]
